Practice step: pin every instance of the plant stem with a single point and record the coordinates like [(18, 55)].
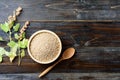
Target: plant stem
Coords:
[(19, 57), (10, 35)]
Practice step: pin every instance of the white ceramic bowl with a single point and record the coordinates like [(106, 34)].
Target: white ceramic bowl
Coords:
[(33, 36)]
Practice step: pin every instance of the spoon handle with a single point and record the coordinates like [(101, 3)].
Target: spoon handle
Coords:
[(49, 68)]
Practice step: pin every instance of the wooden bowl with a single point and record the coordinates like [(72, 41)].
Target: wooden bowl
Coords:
[(44, 46)]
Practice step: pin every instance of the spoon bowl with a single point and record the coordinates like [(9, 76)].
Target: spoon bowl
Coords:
[(68, 53)]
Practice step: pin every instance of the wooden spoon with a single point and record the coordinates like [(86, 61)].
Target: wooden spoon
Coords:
[(68, 53)]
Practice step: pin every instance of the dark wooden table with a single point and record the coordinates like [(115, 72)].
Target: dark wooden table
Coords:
[(92, 27)]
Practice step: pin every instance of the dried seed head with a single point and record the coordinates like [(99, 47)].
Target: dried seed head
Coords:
[(19, 9), (27, 23), (17, 13), (10, 18), (20, 36), (23, 29), (14, 18), (25, 26)]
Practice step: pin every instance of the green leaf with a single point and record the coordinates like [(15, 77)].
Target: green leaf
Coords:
[(16, 27), (5, 27), (23, 35), (2, 52), (11, 44), (16, 36), (7, 53), (12, 56), (22, 54), (12, 53), (1, 58), (1, 39), (23, 43), (11, 23)]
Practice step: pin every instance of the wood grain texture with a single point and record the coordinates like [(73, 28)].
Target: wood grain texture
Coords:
[(63, 10), (90, 26), (96, 44), (62, 76)]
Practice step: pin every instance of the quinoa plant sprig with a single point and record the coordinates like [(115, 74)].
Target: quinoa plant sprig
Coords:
[(17, 39)]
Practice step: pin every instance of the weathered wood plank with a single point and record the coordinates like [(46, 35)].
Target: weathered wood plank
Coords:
[(57, 10), (97, 48), (97, 44), (80, 34), (77, 34), (93, 59), (62, 76)]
